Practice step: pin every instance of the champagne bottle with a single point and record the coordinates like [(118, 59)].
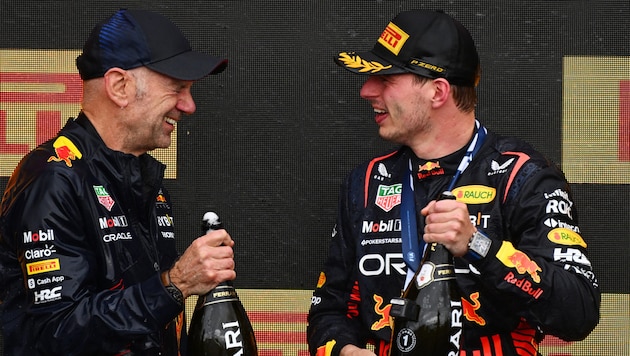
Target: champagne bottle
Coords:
[(219, 325), (427, 318)]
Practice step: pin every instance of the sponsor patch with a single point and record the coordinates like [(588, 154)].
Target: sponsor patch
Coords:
[(393, 38), (499, 168), (42, 266), (475, 194), (65, 151), (430, 169), (388, 196), (514, 258), (103, 197), (567, 237)]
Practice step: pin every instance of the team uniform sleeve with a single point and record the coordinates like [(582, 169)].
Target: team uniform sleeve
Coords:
[(333, 319), (71, 313), (542, 265)]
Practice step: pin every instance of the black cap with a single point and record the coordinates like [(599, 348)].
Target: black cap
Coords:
[(136, 38), (429, 43)]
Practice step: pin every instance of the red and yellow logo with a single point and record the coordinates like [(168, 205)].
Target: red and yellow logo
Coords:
[(393, 38), (475, 194), (430, 169), (322, 280), (567, 237), (42, 266), (514, 258), (429, 166), (383, 312), (66, 151), (470, 309)]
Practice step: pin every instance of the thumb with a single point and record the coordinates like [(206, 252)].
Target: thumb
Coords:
[(427, 209)]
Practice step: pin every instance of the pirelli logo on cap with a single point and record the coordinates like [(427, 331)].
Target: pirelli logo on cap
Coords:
[(393, 38)]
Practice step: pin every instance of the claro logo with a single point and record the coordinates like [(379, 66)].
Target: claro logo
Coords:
[(35, 253)]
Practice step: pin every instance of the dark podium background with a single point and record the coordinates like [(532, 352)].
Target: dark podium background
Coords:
[(274, 135)]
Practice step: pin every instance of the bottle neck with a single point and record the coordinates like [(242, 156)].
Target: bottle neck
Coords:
[(438, 254)]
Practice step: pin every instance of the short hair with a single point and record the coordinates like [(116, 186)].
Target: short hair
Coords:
[(465, 97)]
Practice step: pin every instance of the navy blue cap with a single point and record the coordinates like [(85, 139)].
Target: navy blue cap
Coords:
[(428, 43), (136, 38)]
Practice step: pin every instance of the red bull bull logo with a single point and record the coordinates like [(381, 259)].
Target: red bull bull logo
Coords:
[(65, 151), (430, 169), (514, 258), (470, 309), (429, 166), (383, 312)]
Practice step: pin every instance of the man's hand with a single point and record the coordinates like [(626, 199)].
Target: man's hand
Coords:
[(448, 222), (351, 350), (208, 261)]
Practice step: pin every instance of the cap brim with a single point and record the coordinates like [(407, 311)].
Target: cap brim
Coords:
[(367, 63), (189, 65)]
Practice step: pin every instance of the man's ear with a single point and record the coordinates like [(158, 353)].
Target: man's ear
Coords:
[(442, 91), (117, 86)]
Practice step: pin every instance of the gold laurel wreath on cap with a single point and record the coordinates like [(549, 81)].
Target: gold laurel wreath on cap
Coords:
[(354, 61)]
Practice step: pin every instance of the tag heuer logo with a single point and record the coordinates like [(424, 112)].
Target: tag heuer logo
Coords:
[(388, 196), (103, 197)]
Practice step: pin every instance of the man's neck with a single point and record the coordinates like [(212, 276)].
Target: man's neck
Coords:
[(444, 139)]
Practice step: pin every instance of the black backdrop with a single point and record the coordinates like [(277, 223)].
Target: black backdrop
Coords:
[(275, 133)]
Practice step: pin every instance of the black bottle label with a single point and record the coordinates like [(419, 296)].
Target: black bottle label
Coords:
[(221, 294), (430, 273)]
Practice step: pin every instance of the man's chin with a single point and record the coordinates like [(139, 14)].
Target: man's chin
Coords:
[(387, 135)]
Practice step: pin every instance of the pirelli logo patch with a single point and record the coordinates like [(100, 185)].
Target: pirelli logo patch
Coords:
[(42, 266), (393, 38)]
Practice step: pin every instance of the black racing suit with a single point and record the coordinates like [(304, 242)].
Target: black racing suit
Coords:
[(85, 232), (535, 280)]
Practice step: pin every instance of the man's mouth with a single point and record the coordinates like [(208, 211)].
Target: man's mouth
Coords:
[(170, 121), (380, 115)]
